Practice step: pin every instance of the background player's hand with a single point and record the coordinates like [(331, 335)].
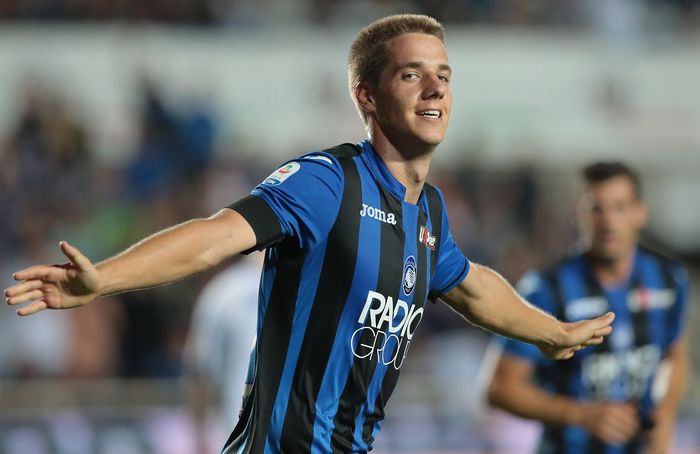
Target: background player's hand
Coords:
[(579, 335), (612, 423), (55, 286), (659, 438)]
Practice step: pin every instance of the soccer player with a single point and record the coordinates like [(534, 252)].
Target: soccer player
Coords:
[(621, 395), (356, 241)]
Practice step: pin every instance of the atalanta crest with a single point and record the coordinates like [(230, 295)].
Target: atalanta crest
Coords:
[(409, 275)]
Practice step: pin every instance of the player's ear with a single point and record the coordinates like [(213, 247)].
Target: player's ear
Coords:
[(365, 98)]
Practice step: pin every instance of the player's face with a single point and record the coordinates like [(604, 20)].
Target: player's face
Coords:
[(613, 216), (413, 97)]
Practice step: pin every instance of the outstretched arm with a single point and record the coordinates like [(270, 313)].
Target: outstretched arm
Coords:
[(486, 299), (169, 255)]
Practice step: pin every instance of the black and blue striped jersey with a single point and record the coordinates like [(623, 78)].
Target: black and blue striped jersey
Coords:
[(649, 309), (349, 266)]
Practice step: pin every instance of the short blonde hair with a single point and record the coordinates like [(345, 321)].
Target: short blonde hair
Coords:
[(368, 52)]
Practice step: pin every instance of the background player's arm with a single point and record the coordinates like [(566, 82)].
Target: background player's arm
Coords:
[(486, 299), (169, 255), (511, 389), (677, 364)]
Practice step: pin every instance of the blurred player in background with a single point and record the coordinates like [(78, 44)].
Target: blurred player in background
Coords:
[(356, 241), (621, 395), (219, 343)]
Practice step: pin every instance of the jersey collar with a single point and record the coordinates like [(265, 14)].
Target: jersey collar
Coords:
[(625, 283), (380, 171)]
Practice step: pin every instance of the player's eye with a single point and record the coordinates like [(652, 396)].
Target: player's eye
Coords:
[(409, 76), (444, 77)]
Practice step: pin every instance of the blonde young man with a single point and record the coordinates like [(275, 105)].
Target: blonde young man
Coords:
[(356, 241), (603, 400)]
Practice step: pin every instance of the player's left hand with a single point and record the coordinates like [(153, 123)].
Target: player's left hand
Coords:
[(659, 438), (579, 335)]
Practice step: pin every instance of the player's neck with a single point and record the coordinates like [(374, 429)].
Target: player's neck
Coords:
[(612, 272), (410, 167)]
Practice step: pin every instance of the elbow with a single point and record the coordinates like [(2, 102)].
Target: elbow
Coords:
[(491, 396), (216, 245), (209, 259), (494, 393)]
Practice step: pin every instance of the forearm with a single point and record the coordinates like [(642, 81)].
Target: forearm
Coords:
[(678, 363), (175, 253), (493, 304), (528, 401)]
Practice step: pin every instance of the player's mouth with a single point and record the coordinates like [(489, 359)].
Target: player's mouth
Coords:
[(429, 113), (608, 237)]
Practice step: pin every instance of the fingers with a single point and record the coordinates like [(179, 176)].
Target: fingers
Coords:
[(23, 292), (606, 320), (75, 256), (614, 436), (601, 325), (619, 423), (23, 287), (33, 308), (601, 328), (24, 297), (593, 341), (603, 331), (33, 272), (566, 354), (626, 420)]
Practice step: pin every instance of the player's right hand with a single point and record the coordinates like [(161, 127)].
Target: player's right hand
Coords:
[(65, 286), (615, 423)]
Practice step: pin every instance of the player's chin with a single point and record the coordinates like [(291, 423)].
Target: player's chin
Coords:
[(433, 138), (611, 251)]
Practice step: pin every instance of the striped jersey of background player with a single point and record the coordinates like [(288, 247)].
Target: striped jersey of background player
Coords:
[(621, 395), (356, 242)]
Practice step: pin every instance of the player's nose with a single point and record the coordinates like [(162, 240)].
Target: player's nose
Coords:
[(434, 87)]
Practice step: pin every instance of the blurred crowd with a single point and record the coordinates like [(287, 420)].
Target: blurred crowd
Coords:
[(669, 14), (52, 187)]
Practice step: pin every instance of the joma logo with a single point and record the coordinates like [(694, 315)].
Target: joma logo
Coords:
[(376, 213)]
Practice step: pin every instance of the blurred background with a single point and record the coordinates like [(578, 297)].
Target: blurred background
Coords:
[(119, 118)]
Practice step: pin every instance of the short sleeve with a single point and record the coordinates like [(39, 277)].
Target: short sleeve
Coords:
[(533, 287), (452, 266), (304, 195), (677, 312)]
